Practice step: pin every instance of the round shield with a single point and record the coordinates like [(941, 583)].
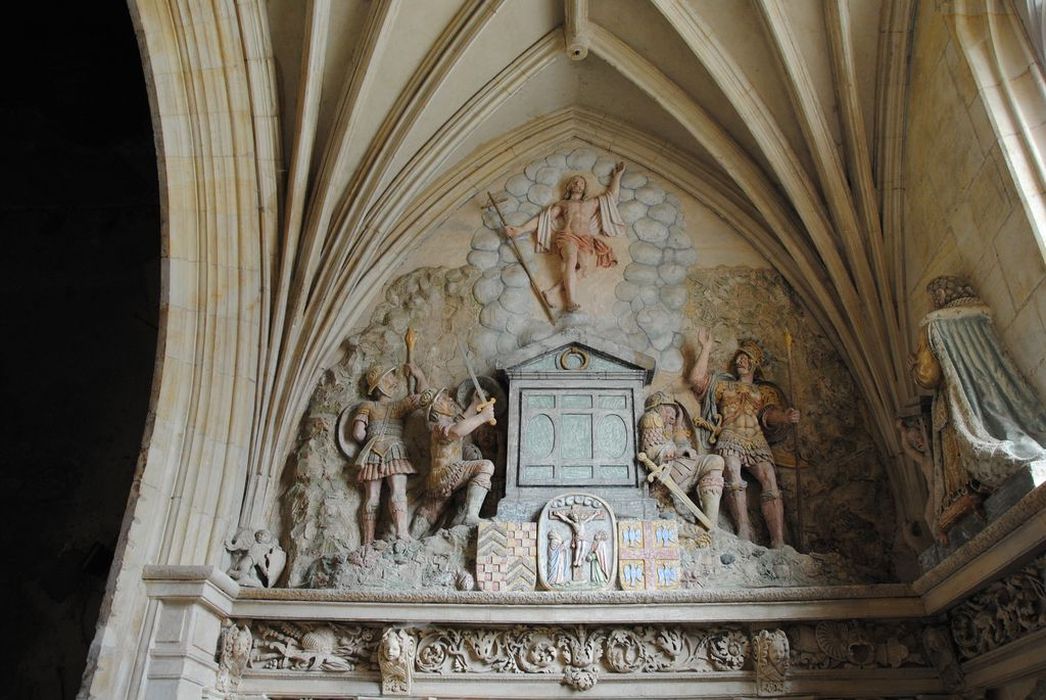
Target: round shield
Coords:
[(490, 387), (343, 433)]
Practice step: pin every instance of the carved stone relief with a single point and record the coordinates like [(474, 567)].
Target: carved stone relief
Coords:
[(843, 479), (579, 655), (234, 654), (443, 561), (659, 298), (258, 559), (396, 660), (770, 653), (302, 646), (320, 506), (849, 644), (577, 544), (648, 293)]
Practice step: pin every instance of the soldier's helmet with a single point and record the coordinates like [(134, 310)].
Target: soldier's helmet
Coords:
[(658, 398), (438, 402), (751, 348), (375, 373)]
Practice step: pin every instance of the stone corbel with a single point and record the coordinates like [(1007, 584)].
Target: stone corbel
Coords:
[(940, 652), (234, 653), (396, 661)]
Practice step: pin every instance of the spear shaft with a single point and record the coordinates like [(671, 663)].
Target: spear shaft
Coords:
[(795, 452), (523, 263)]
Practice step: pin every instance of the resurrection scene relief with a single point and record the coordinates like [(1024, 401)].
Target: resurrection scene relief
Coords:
[(584, 382)]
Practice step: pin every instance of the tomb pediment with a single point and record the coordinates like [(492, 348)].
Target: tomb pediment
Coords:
[(576, 353)]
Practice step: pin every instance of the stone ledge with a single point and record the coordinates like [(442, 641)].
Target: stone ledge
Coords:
[(881, 601), (1018, 659), (611, 685), (605, 613), (552, 598), (1007, 542)]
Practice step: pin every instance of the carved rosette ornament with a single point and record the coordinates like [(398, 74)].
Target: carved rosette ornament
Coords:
[(772, 662), (728, 650)]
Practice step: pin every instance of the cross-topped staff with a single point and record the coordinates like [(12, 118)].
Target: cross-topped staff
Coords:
[(523, 263)]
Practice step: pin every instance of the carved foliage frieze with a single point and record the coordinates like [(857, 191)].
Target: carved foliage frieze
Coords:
[(575, 655), (1002, 612), (579, 654), (834, 644)]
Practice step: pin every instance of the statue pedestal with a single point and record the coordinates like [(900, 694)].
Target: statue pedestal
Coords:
[(1012, 491)]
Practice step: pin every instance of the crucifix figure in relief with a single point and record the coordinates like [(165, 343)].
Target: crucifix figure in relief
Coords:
[(577, 516), (573, 228)]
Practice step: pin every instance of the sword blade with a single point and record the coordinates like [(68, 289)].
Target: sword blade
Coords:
[(472, 374), (661, 474)]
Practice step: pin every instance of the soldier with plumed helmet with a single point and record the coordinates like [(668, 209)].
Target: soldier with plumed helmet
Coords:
[(453, 467), (378, 427), (750, 412)]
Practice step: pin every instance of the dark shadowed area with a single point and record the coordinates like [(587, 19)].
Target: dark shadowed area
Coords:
[(81, 274)]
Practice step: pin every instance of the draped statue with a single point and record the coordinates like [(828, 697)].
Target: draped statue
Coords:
[(987, 422)]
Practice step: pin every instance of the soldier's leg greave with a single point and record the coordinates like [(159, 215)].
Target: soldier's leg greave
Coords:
[(398, 510), (737, 503), (773, 512), (711, 483), (710, 492)]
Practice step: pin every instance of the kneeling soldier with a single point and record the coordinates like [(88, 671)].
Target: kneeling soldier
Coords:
[(666, 439), (450, 470)]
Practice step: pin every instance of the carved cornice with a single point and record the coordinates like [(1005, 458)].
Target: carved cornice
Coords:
[(897, 591), (893, 601)]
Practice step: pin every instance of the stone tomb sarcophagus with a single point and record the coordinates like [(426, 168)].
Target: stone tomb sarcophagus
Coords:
[(573, 406)]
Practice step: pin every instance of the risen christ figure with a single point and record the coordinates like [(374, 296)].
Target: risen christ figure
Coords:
[(572, 227)]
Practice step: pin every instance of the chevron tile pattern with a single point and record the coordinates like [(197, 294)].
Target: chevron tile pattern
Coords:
[(506, 556)]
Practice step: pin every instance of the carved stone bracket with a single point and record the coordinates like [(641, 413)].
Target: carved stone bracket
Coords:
[(396, 659), (235, 646), (772, 662), (941, 653)]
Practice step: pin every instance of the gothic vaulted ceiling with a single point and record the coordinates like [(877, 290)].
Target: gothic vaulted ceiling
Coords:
[(786, 112), (339, 131)]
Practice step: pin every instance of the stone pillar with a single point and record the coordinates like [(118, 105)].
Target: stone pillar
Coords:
[(182, 656), (183, 652)]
